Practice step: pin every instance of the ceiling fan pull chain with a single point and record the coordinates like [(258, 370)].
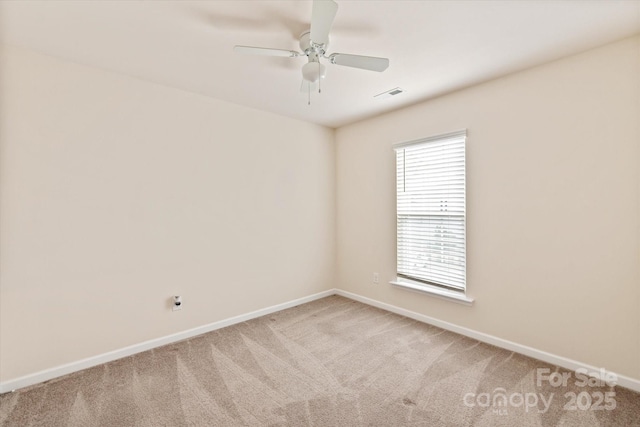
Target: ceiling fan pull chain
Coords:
[(319, 77), (309, 93)]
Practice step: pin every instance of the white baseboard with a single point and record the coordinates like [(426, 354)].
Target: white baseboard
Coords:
[(68, 368), (624, 381), (48, 374)]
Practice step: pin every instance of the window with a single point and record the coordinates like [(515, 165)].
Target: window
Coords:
[(431, 213)]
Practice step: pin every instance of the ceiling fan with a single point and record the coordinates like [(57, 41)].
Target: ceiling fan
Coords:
[(314, 44)]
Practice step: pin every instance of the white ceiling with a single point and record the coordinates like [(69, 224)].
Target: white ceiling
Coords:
[(434, 47)]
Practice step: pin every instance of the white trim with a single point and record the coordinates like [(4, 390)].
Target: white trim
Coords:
[(457, 134), (89, 362), (38, 377), (454, 296), (624, 381)]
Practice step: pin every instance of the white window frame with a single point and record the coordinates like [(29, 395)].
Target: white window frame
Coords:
[(453, 292)]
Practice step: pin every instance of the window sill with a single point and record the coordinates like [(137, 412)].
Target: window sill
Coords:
[(454, 296)]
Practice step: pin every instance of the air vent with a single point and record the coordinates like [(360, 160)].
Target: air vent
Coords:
[(391, 92)]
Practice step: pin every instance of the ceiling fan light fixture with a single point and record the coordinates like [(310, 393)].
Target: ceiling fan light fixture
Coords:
[(313, 71)]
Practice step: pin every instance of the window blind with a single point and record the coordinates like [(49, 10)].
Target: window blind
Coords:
[(431, 210)]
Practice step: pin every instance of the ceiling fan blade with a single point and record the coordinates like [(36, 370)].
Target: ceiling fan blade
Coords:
[(322, 15), (250, 50), (357, 61)]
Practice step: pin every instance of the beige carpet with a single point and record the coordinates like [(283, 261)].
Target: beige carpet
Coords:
[(332, 362)]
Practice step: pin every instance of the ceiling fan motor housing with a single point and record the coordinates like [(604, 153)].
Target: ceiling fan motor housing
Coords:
[(308, 47)]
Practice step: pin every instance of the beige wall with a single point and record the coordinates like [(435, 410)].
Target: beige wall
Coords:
[(117, 194), (553, 212)]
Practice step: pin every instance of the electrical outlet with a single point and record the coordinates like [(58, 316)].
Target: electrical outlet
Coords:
[(376, 278), (177, 303)]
